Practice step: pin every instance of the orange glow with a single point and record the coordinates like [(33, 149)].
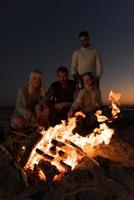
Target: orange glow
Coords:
[(126, 99), (64, 149)]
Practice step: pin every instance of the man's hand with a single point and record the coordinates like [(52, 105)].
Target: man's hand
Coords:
[(60, 106)]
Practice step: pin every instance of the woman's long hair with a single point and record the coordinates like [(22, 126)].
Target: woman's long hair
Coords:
[(34, 74)]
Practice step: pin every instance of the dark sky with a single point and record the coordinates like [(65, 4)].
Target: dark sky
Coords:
[(43, 34)]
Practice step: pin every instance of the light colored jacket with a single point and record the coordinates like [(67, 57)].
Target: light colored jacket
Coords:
[(87, 60), (87, 100), (25, 101)]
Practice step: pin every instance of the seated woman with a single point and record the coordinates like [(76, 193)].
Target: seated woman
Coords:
[(88, 99), (28, 103)]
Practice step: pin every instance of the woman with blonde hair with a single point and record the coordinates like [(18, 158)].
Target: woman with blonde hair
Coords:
[(29, 99)]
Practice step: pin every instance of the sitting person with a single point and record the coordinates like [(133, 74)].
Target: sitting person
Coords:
[(28, 103), (88, 99), (60, 96)]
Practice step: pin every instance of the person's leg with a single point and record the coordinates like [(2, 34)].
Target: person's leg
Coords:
[(42, 112), (45, 116)]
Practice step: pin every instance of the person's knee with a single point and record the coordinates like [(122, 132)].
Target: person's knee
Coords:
[(17, 122)]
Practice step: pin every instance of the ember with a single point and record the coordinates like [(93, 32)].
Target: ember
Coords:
[(59, 150)]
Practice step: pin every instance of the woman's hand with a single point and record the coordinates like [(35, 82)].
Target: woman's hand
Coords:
[(60, 106), (70, 114)]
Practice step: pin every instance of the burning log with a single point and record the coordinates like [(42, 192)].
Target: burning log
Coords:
[(36, 170), (35, 176), (53, 150), (65, 166), (61, 153), (76, 147), (27, 148), (57, 143), (46, 156), (32, 175), (48, 169)]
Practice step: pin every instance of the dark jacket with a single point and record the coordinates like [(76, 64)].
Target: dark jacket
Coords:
[(57, 94)]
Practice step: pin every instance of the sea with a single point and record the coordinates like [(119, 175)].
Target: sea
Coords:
[(6, 112)]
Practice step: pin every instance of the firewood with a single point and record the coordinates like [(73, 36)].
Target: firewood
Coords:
[(53, 150), (61, 153), (66, 166), (46, 156), (76, 147), (57, 143), (48, 169)]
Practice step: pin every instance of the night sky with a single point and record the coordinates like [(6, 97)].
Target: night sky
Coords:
[(43, 35)]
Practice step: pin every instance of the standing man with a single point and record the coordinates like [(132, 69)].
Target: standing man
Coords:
[(60, 96), (86, 59)]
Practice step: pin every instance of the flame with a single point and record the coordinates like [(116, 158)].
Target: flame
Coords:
[(114, 98), (64, 149), (100, 117), (41, 175)]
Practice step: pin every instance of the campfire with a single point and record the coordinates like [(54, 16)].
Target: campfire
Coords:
[(59, 150)]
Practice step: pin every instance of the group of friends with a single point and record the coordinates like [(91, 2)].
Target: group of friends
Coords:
[(35, 107)]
